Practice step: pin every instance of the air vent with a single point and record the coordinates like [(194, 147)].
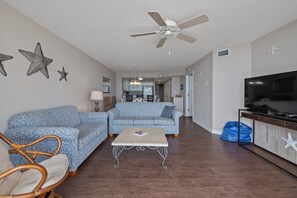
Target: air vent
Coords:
[(222, 53)]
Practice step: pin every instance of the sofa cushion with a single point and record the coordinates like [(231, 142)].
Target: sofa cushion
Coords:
[(123, 120), (140, 109), (66, 116), (98, 127), (144, 120), (56, 167), (163, 121), (87, 132), (7, 184), (167, 111)]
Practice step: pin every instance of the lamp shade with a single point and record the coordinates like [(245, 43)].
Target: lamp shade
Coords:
[(96, 95)]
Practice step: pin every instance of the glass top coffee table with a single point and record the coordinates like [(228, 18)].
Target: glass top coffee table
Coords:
[(155, 139)]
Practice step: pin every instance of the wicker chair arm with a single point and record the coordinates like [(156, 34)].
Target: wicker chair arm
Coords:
[(17, 148), (38, 167)]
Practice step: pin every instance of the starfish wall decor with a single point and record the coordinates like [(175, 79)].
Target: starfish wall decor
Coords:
[(290, 142), (63, 74), (38, 61), (4, 57)]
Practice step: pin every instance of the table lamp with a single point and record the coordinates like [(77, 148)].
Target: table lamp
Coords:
[(96, 96)]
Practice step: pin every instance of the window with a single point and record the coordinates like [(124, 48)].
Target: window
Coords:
[(106, 85)]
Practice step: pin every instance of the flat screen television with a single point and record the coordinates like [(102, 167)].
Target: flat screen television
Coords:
[(272, 94)]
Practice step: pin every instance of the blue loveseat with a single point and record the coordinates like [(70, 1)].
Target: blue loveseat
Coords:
[(81, 133), (142, 114)]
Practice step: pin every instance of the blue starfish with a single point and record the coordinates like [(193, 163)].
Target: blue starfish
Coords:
[(3, 57), (38, 61), (63, 74)]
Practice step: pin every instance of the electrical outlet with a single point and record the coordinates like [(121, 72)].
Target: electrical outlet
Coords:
[(196, 83), (206, 82), (207, 115)]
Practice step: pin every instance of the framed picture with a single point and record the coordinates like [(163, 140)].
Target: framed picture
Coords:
[(106, 85)]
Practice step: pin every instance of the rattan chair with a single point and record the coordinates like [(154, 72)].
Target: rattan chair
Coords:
[(31, 179)]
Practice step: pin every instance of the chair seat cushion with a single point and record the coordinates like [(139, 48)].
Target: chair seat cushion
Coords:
[(87, 132), (123, 120), (56, 167), (7, 184), (163, 121), (144, 121)]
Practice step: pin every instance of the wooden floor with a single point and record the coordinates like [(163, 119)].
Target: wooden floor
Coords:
[(199, 165)]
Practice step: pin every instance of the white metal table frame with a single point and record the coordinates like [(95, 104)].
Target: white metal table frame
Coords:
[(159, 143)]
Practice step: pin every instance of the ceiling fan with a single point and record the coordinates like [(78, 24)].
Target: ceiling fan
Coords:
[(170, 28)]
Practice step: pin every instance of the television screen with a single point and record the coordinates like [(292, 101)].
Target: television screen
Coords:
[(272, 94)]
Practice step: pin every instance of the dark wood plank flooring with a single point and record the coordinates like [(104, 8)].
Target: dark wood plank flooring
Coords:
[(199, 165)]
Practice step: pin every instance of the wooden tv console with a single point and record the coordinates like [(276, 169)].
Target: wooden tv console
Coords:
[(268, 132)]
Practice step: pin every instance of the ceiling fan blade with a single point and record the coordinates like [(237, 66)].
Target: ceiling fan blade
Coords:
[(186, 38), (193, 22), (161, 42), (144, 34), (156, 16)]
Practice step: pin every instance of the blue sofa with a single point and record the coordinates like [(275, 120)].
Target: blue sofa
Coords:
[(81, 133), (142, 114)]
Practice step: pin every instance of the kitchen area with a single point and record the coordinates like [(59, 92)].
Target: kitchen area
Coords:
[(160, 89)]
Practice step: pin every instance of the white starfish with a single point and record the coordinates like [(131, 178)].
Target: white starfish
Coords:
[(290, 142), (273, 49)]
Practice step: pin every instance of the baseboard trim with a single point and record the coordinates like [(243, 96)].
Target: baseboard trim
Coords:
[(203, 126), (217, 132)]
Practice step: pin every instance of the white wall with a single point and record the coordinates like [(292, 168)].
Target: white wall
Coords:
[(202, 69), (183, 92), (284, 59), (228, 84), (175, 86), (167, 91), (20, 92)]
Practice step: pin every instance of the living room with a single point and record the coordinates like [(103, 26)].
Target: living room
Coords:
[(86, 42)]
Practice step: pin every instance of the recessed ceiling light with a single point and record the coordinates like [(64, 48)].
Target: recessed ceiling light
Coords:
[(169, 53)]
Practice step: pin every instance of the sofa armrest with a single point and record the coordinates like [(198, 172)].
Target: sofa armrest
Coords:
[(175, 115), (33, 133), (113, 113), (93, 117)]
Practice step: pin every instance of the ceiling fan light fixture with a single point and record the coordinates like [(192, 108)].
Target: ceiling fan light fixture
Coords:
[(168, 32), (169, 28), (170, 22)]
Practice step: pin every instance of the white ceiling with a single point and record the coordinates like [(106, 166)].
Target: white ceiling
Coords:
[(102, 28)]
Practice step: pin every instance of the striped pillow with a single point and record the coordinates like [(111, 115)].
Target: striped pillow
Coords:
[(167, 111)]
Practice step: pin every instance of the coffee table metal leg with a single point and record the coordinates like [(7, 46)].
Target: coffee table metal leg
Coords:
[(116, 151), (163, 152)]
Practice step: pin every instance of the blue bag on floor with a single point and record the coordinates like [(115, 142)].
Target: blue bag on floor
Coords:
[(230, 132)]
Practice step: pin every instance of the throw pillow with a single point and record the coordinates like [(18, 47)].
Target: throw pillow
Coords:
[(167, 111)]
